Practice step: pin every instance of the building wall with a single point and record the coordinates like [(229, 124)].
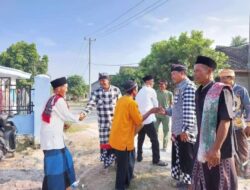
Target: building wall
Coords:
[(24, 124), (95, 86), (242, 79), (41, 95)]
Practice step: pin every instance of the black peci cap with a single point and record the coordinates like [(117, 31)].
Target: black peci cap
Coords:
[(58, 82), (206, 61)]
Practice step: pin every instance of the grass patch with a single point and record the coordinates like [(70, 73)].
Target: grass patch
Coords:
[(77, 103), (77, 128), (23, 142)]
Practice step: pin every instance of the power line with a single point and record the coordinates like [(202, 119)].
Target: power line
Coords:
[(117, 18), (135, 64), (81, 49), (133, 18)]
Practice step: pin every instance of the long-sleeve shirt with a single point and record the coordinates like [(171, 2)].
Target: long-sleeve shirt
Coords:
[(183, 111), (51, 134), (127, 118), (242, 107), (104, 102), (147, 99)]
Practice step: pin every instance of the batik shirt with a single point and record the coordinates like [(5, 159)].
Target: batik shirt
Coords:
[(242, 107)]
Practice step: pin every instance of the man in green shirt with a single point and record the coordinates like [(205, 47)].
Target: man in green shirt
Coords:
[(165, 99)]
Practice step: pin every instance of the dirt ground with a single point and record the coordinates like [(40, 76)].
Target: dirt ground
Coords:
[(25, 170)]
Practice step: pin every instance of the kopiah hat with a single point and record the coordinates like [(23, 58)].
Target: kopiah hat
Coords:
[(58, 82)]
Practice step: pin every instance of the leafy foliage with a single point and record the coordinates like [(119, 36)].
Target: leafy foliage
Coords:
[(127, 73), (238, 41), (183, 49), (24, 56), (77, 87)]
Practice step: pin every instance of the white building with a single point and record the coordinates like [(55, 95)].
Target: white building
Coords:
[(8, 92)]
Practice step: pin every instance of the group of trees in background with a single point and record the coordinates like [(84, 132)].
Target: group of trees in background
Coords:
[(182, 49), (24, 56)]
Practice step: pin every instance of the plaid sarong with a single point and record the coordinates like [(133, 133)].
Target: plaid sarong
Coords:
[(58, 169), (48, 108)]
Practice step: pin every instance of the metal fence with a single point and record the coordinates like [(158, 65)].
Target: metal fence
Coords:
[(14, 100)]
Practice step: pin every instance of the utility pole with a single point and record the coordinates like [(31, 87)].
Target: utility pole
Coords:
[(90, 41)]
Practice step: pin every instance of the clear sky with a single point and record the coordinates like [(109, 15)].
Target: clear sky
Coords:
[(58, 28)]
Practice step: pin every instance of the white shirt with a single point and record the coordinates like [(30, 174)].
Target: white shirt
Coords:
[(147, 99), (51, 134)]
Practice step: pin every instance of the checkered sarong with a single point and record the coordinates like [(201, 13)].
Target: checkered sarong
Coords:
[(181, 162), (105, 102)]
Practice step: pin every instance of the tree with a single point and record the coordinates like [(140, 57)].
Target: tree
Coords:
[(24, 56), (77, 87), (183, 49), (126, 73), (238, 41), (42, 67)]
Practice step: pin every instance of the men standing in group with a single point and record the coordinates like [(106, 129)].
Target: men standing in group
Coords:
[(104, 99), (184, 128), (241, 109), (127, 121), (147, 99), (165, 99), (214, 167)]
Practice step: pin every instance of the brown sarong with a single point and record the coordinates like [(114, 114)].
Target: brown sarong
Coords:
[(221, 177), (242, 154)]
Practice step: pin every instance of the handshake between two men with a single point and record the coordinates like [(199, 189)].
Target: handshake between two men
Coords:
[(157, 110)]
